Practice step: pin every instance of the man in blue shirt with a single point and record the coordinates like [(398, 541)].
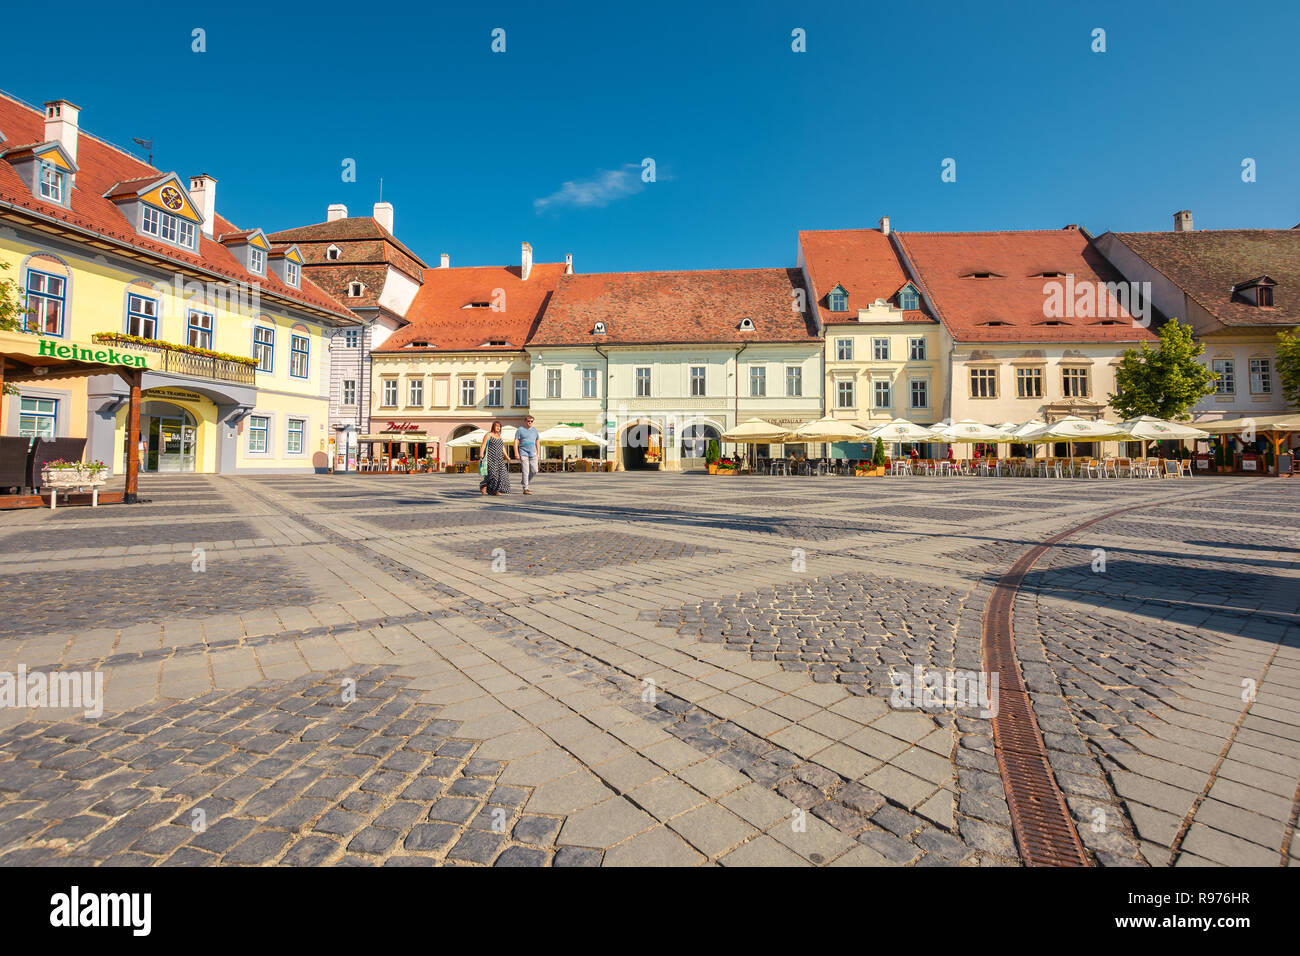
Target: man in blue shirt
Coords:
[(526, 450)]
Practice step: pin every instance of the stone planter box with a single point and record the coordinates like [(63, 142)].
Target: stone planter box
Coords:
[(70, 479)]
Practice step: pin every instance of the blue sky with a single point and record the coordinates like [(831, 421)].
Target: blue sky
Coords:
[(751, 141)]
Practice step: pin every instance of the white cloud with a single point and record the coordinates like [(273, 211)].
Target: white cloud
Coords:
[(601, 189)]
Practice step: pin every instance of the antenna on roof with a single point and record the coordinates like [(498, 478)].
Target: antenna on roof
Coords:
[(381, 188), (147, 144)]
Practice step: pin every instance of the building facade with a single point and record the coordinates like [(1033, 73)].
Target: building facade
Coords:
[(661, 363), (112, 252), (1236, 288), (358, 261), (460, 362)]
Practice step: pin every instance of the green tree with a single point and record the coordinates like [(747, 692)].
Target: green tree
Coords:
[(1288, 364), (11, 303), (1164, 382), (713, 453), (878, 459)]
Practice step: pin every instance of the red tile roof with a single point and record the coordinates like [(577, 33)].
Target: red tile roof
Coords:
[(438, 314), (102, 167), (943, 262), (864, 262), (361, 239), (648, 308), (1206, 264)]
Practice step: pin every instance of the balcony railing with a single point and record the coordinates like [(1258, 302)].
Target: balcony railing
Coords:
[(186, 363)]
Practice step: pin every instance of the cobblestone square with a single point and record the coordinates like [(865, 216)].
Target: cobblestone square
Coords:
[(660, 669)]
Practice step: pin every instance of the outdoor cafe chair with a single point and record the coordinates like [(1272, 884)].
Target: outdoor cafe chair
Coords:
[(1110, 468), (1184, 468), (1091, 468)]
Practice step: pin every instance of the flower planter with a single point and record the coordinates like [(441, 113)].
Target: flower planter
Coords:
[(713, 469), (75, 478)]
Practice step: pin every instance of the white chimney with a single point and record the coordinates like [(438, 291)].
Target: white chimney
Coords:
[(446, 261), (568, 263), (884, 225), (336, 211), (526, 264), (384, 215), (61, 125), (203, 190), (1183, 220)]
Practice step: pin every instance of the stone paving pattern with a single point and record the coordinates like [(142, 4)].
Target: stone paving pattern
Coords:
[(670, 670)]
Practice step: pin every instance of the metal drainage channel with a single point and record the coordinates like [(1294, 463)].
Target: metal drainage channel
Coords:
[(1040, 819)]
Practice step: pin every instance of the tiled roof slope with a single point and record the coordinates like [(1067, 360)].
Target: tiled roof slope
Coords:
[(864, 262), (943, 261), (438, 314), (361, 240), (100, 168), (676, 307), (1206, 264)]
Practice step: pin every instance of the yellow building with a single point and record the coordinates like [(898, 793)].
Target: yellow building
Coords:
[(110, 251)]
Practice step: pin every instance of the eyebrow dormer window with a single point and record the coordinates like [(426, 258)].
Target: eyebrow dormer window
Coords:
[(838, 300), (256, 261), (746, 324)]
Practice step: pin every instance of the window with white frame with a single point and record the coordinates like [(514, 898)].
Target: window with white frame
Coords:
[(983, 383), (264, 348), (1029, 383), (52, 182), (198, 330), (495, 393), (757, 381), (844, 350), (880, 349), (916, 349), (883, 394), (45, 301), (256, 260), (643, 382), (141, 316), (553, 383), (521, 392), (291, 273), (468, 392), (844, 394), (698, 381), (295, 435), (1226, 384), (389, 398), (920, 393), (352, 338), (794, 381), (1261, 377), (349, 391), (1074, 382), (259, 434), (590, 383), (38, 417), (333, 253), (299, 356), (167, 227), (415, 393)]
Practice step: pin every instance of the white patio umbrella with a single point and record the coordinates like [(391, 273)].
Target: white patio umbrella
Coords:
[(1071, 429), (1157, 429), (570, 435), (1020, 433), (475, 438), (826, 430), (755, 431), (970, 431), (901, 430)]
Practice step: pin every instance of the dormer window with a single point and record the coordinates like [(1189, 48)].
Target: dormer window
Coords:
[(746, 324), (838, 300), (256, 261), (477, 305), (291, 274), (981, 275), (1258, 291), (333, 253), (1048, 275), (1265, 297), (52, 183), (418, 345), (909, 300), (599, 329), (165, 226), (356, 289)]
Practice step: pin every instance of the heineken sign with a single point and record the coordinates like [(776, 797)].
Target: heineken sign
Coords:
[(89, 353)]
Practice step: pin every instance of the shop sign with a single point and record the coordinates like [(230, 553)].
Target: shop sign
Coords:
[(50, 348)]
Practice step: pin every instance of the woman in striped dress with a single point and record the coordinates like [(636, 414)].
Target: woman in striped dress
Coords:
[(493, 451)]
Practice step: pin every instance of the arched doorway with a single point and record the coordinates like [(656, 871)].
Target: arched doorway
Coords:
[(462, 454), (695, 443), (170, 435), (641, 446)]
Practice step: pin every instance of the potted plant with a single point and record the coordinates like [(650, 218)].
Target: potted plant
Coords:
[(878, 458), (725, 466), (711, 456)]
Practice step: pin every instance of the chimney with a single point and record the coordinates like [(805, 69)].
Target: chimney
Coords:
[(884, 225), (1183, 220), (61, 125), (446, 261), (384, 215), (526, 264), (568, 263), (203, 190), (336, 211)]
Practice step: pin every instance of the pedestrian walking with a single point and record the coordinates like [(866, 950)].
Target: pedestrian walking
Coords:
[(495, 471), (526, 451)]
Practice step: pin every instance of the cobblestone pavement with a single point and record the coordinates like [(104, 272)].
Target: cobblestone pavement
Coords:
[(644, 669)]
